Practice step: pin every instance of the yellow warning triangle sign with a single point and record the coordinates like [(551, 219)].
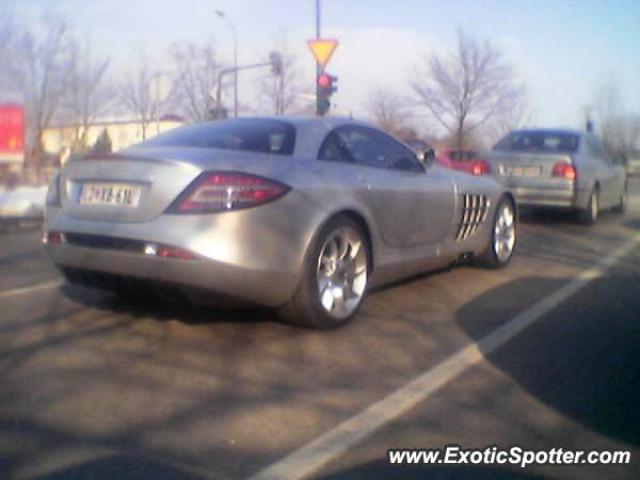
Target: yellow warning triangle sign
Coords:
[(322, 49)]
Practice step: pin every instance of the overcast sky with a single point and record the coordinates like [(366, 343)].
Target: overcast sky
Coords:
[(563, 50)]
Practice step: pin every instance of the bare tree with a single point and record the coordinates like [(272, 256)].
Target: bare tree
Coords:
[(196, 77), (388, 111), (87, 96), (43, 74), (620, 130), (510, 119), (7, 36), (467, 89), (135, 95), (279, 94)]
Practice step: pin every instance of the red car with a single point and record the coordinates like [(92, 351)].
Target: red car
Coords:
[(464, 160)]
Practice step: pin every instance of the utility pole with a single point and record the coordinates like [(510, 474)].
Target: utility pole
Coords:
[(221, 14)]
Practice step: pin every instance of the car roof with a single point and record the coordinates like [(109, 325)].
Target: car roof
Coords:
[(569, 131), (330, 122), (311, 131)]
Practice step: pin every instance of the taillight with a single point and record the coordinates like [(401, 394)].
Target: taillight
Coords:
[(480, 167), (224, 191), (53, 238), (565, 170), (168, 251)]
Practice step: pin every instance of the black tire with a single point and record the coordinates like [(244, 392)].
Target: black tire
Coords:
[(490, 258), (622, 206), (589, 215), (305, 308)]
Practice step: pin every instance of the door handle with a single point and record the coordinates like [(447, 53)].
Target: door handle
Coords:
[(361, 179)]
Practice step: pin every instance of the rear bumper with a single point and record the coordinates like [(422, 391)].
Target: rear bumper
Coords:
[(254, 255), (565, 197), (270, 288)]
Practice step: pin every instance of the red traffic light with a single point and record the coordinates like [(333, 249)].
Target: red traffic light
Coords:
[(324, 80)]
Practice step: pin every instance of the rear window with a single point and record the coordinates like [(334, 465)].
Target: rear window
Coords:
[(552, 142), (462, 155), (264, 136)]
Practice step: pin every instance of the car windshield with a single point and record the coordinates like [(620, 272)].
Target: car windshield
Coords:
[(263, 135), (538, 141)]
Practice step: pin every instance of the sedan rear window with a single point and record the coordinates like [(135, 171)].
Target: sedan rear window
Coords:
[(250, 135), (538, 141), (462, 155)]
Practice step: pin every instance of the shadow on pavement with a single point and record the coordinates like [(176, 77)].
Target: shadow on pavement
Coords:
[(169, 304), (547, 217), (121, 467), (381, 470), (634, 224), (582, 358)]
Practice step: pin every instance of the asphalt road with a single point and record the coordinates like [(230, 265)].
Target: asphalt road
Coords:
[(94, 387)]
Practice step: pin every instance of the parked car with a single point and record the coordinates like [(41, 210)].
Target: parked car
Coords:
[(633, 163), (304, 215), (465, 160), (565, 169), (22, 203)]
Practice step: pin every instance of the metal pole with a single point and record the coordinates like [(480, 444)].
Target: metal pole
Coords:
[(221, 14), (157, 103), (235, 71), (318, 69)]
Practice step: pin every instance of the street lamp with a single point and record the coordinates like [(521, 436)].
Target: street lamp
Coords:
[(221, 14)]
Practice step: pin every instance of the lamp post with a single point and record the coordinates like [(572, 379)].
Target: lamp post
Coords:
[(221, 14)]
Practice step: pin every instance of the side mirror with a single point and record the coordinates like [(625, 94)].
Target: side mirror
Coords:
[(427, 157)]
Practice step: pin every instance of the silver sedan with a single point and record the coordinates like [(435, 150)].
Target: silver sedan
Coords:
[(565, 169), (301, 214)]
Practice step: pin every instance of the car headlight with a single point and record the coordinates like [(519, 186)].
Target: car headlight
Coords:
[(53, 192)]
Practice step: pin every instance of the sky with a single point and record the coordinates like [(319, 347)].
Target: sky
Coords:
[(565, 52)]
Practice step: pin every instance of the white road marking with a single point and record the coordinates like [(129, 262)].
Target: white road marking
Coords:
[(309, 458), (34, 288)]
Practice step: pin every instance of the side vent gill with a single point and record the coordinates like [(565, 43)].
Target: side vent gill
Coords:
[(474, 212)]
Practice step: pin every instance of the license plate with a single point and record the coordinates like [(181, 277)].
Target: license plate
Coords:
[(118, 194), (520, 171)]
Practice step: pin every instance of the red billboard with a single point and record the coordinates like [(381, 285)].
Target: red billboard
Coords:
[(11, 133)]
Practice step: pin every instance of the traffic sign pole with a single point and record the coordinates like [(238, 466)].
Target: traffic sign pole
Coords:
[(318, 68)]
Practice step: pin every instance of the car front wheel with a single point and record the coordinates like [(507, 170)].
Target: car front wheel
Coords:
[(622, 206), (335, 277)]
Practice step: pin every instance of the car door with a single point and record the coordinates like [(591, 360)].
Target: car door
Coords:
[(610, 177), (411, 206)]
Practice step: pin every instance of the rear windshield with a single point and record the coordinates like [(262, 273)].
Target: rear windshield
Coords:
[(250, 135), (462, 155), (552, 142)]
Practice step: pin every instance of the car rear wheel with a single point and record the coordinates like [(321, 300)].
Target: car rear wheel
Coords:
[(589, 215), (622, 206), (503, 236), (334, 280)]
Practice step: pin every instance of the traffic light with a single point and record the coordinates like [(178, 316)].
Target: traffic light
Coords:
[(325, 86), (276, 63)]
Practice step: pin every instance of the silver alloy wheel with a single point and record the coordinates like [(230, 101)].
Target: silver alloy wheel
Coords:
[(504, 233), (342, 272), (594, 204)]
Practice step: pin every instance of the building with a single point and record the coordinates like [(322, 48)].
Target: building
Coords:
[(58, 139), (12, 125)]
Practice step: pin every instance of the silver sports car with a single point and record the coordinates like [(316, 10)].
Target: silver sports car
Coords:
[(301, 214), (566, 169)]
